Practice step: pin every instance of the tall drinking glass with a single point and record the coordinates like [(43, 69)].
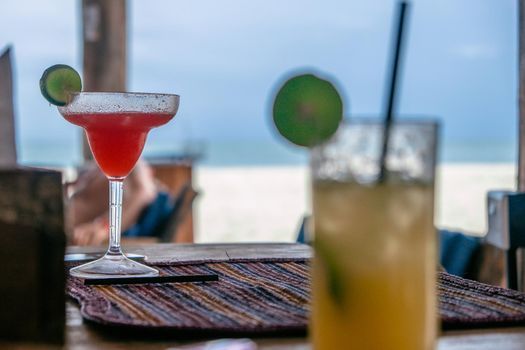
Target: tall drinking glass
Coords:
[(374, 272), (116, 125)]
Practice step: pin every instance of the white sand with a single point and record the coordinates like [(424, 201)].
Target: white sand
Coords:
[(267, 203), (461, 193)]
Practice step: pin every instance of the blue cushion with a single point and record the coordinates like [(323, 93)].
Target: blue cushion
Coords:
[(458, 252), (152, 217)]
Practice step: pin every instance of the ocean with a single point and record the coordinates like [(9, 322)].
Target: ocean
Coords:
[(256, 153)]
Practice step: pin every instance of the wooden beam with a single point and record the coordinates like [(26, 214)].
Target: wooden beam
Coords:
[(521, 92), (104, 35), (7, 114), (521, 128)]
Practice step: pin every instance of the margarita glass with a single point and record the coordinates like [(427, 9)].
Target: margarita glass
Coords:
[(117, 125)]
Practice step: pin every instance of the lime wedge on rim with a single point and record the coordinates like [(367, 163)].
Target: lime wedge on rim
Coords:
[(57, 82), (307, 110)]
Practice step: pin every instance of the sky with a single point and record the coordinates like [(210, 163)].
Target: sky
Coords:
[(224, 58)]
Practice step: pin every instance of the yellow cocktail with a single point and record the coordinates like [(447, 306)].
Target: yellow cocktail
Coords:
[(374, 272)]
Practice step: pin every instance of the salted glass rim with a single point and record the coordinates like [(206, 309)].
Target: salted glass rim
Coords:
[(116, 102), (348, 158), (404, 121)]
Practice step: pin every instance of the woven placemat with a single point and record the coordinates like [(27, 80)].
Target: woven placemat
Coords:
[(251, 297), (267, 296), (469, 304)]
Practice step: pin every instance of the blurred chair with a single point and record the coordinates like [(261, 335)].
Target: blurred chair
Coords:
[(506, 236), (304, 232), (460, 254), (161, 220), (182, 209), (176, 172)]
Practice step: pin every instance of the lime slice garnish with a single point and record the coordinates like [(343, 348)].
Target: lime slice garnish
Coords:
[(333, 272), (307, 110), (58, 81)]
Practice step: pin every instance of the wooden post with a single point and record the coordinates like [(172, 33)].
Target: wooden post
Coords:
[(521, 91), (104, 33), (7, 114), (521, 127)]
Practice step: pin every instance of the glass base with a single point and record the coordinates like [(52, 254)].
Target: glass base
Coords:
[(113, 266)]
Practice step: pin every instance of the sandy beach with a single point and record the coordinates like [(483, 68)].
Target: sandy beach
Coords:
[(266, 203)]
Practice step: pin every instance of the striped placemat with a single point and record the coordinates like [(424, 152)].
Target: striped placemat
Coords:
[(251, 297), (470, 304), (268, 296)]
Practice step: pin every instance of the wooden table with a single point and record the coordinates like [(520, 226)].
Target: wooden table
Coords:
[(81, 336)]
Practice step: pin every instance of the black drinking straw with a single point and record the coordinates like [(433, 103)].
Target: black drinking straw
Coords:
[(392, 91), (154, 279)]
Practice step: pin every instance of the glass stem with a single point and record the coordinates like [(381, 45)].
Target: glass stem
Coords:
[(115, 216)]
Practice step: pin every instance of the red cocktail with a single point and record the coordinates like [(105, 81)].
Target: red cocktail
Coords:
[(117, 125), (117, 139)]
